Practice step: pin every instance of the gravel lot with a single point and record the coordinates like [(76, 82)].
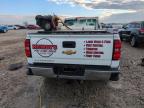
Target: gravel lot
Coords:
[(17, 90)]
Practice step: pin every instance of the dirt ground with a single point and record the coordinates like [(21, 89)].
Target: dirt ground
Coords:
[(17, 90)]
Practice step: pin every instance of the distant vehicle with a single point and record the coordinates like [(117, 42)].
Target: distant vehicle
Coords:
[(113, 28), (20, 27), (133, 32), (33, 27), (3, 29), (82, 23), (12, 27)]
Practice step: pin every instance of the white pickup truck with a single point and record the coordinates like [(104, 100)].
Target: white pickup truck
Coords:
[(82, 55)]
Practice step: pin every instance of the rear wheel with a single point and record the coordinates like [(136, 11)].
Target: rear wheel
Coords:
[(133, 42), (114, 77)]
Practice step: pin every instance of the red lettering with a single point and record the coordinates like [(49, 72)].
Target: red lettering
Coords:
[(107, 41), (97, 56), (44, 47), (89, 52), (97, 41), (89, 41), (88, 55), (97, 45), (88, 45), (98, 53)]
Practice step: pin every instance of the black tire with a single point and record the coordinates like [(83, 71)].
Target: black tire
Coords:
[(133, 42), (29, 72)]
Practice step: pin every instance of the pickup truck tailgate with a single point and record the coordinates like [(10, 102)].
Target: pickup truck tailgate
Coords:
[(72, 49)]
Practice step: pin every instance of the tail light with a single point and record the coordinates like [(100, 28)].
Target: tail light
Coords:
[(141, 30), (117, 50), (27, 48)]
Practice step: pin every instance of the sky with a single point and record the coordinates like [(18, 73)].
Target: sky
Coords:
[(120, 11)]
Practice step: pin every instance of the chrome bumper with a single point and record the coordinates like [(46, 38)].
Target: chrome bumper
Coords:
[(89, 74)]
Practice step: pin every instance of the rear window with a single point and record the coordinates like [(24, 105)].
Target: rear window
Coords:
[(70, 22), (82, 21), (91, 22)]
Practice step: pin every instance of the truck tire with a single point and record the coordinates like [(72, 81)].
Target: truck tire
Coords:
[(133, 42), (114, 77)]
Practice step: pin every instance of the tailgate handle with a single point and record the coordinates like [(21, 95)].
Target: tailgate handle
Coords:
[(69, 44)]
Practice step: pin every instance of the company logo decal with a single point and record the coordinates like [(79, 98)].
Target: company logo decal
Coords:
[(69, 52), (44, 47)]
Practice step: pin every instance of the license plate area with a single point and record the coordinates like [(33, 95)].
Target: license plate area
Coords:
[(69, 70)]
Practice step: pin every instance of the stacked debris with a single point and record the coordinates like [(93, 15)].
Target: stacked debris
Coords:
[(49, 22)]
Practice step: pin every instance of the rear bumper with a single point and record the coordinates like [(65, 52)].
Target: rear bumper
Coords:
[(89, 73)]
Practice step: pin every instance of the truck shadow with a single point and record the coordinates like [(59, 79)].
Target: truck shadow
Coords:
[(72, 94)]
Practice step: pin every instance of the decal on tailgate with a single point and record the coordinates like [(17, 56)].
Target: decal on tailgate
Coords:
[(92, 48), (44, 47)]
